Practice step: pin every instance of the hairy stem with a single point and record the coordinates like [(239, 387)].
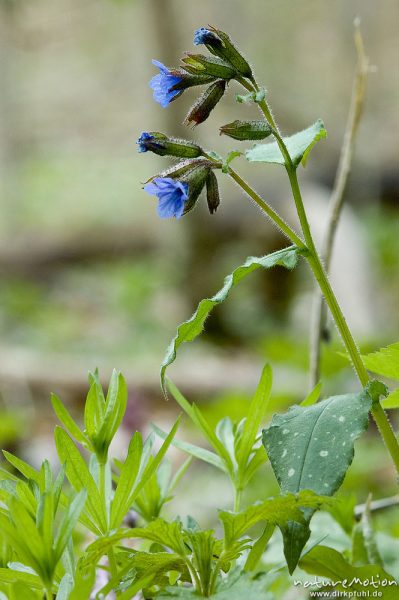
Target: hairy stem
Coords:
[(317, 268)]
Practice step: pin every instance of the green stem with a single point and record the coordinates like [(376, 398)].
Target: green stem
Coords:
[(315, 264), (271, 213), (49, 595), (237, 499), (113, 567)]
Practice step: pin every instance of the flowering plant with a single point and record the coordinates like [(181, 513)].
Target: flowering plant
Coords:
[(97, 529)]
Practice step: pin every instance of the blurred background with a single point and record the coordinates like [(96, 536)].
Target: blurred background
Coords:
[(91, 277)]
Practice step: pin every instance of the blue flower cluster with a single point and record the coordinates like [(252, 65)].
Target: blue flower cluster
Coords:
[(172, 196)]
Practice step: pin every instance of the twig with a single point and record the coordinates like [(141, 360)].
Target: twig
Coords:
[(319, 330), (376, 505)]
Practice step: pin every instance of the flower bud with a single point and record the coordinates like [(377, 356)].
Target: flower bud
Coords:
[(247, 130), (196, 179), (220, 44), (202, 108), (163, 145), (212, 192), (198, 64)]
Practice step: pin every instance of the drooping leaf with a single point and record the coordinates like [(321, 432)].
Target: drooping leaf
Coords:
[(190, 329), (298, 145), (311, 447), (329, 563)]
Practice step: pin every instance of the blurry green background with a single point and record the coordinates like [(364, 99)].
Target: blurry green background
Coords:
[(91, 277)]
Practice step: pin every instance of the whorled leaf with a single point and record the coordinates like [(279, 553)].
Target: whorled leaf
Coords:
[(298, 145), (190, 329), (311, 447)]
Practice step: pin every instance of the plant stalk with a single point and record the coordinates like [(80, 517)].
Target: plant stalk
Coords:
[(317, 268)]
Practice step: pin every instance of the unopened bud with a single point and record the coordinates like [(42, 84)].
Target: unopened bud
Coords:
[(220, 44), (247, 130), (196, 179), (163, 145), (212, 192), (201, 110), (198, 64)]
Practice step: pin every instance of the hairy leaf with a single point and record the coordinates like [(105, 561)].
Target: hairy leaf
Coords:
[(190, 329), (298, 145)]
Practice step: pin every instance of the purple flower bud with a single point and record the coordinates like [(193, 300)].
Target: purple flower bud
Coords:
[(163, 145), (220, 44)]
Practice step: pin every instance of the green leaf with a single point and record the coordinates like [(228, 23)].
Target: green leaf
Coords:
[(311, 447), (24, 468), (236, 586), (276, 511), (314, 395), (190, 329), (365, 549), (127, 479), (11, 576), (329, 563), (115, 407), (392, 400), (198, 418), (298, 145), (69, 522), (65, 588), (384, 362), (84, 582), (67, 420), (256, 413), (195, 451), (230, 157), (251, 97), (79, 476)]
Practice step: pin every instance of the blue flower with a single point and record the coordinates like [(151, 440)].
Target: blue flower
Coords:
[(172, 196), (204, 36), (163, 85), (142, 141)]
